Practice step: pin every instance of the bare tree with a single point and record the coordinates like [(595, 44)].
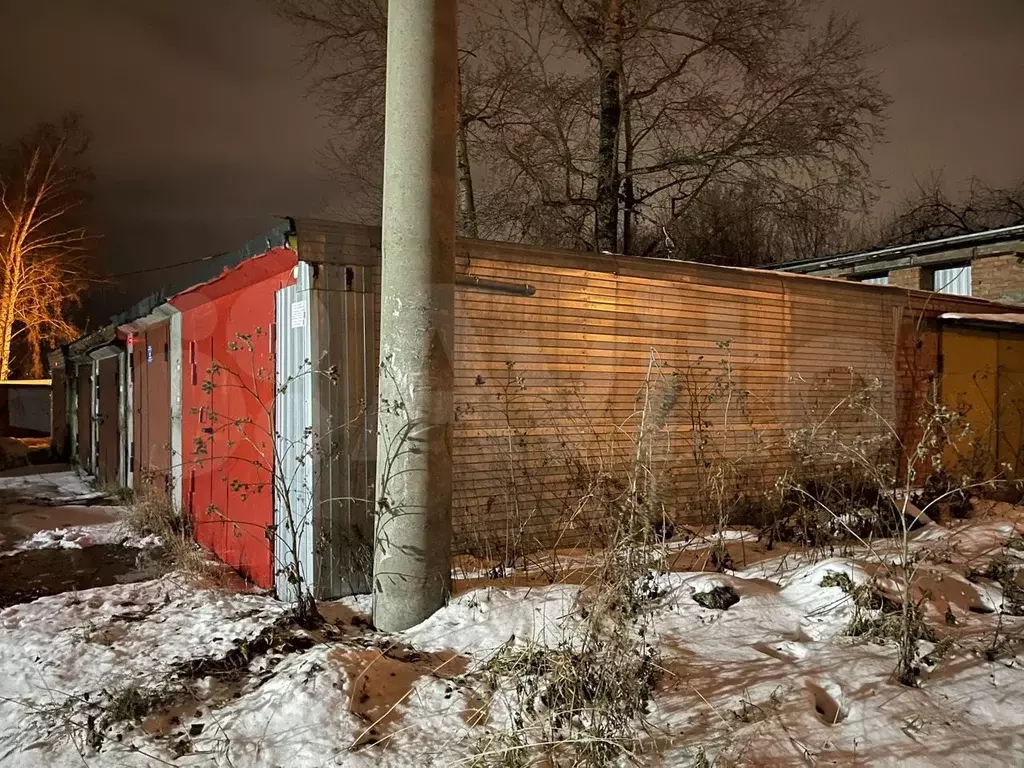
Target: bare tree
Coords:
[(585, 121), (346, 44), (724, 93), (751, 224), (42, 244), (931, 213)]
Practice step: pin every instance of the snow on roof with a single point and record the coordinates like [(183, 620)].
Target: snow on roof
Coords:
[(1005, 318)]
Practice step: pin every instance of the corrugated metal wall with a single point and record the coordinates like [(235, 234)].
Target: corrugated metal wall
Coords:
[(955, 281), (345, 323), (293, 416), (548, 388)]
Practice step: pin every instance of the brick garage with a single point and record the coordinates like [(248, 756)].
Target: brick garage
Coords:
[(995, 259)]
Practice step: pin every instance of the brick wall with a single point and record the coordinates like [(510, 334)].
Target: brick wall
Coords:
[(998, 278), (914, 278)]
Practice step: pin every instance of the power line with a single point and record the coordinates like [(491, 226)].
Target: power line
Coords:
[(165, 267)]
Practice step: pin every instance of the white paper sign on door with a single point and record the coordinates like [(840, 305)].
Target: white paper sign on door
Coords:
[(298, 314)]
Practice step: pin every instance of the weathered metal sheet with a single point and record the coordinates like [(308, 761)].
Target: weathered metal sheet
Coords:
[(152, 403), (60, 432), (345, 396), (124, 418), (83, 416)]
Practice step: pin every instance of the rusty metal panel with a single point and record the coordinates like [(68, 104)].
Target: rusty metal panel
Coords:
[(124, 417), (139, 433), (83, 417), (152, 403), (107, 417), (1011, 404), (969, 386)]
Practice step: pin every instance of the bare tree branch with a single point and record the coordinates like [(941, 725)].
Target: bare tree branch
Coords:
[(42, 247)]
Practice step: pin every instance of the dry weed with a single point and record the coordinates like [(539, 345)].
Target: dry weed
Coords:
[(150, 513)]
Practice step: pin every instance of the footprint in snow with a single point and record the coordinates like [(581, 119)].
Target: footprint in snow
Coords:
[(786, 650), (829, 702)]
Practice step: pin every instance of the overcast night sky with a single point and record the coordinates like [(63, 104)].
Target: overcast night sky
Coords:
[(203, 130)]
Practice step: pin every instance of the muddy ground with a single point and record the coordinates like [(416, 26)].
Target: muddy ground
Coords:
[(35, 573), (29, 573)]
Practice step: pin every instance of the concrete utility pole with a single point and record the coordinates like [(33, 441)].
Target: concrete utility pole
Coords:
[(412, 547)]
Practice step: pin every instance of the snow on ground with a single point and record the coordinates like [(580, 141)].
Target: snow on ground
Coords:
[(51, 488), (772, 681), (81, 536)]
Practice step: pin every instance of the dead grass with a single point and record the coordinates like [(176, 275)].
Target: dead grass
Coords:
[(150, 513)]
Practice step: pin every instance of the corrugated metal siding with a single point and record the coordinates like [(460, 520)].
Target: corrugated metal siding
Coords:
[(955, 281), (176, 372), (293, 416), (345, 393), (877, 280)]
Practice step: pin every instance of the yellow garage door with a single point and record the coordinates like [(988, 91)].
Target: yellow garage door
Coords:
[(1011, 403), (969, 385)]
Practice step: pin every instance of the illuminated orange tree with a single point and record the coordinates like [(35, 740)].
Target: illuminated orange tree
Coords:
[(42, 242)]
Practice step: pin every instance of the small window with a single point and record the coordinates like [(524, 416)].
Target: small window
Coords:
[(955, 280), (877, 279)]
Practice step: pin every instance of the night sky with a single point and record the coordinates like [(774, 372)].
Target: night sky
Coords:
[(203, 130)]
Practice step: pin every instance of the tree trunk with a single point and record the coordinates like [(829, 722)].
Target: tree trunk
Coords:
[(6, 334), (466, 218), (628, 192), (465, 203), (8, 303), (606, 223), (35, 345)]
